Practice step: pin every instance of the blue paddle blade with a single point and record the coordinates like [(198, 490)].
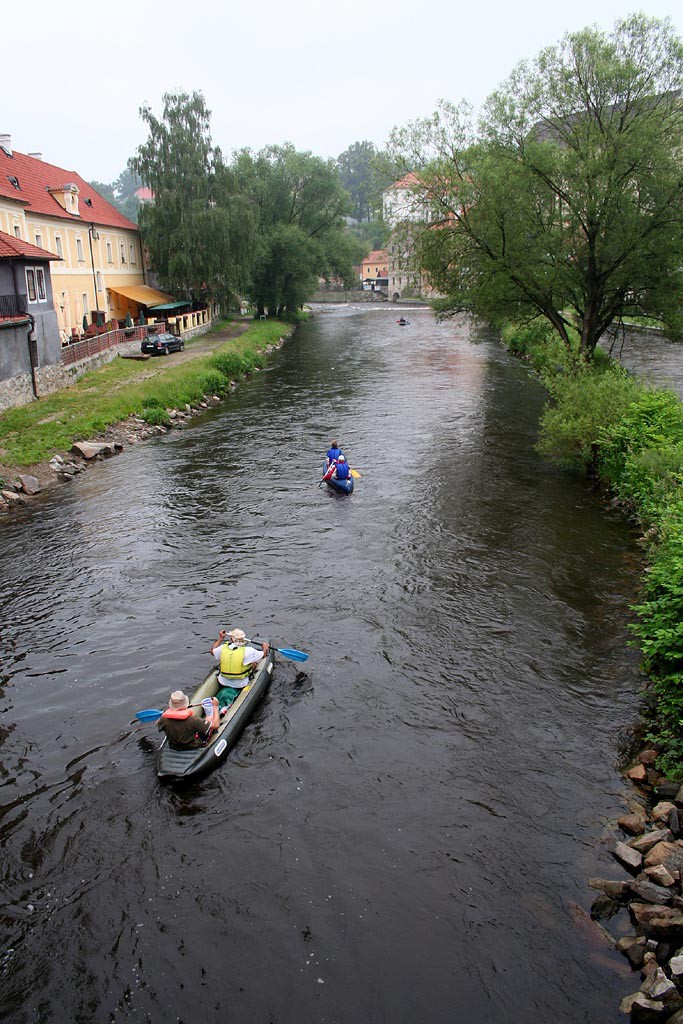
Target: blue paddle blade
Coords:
[(287, 652), (148, 715)]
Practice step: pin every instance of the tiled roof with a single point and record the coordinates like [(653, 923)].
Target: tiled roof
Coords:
[(144, 194), (11, 247), (377, 256), (36, 176)]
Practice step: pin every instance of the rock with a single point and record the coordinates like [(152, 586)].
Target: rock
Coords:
[(676, 967), (12, 498), (658, 922), (634, 824), (658, 986), (91, 449), (637, 774), (679, 796), (650, 892), (29, 484), (660, 875), (643, 844), (615, 890), (633, 949), (666, 789), (648, 757), (628, 856), (675, 823), (662, 810), (641, 1008), (677, 1018), (668, 854)]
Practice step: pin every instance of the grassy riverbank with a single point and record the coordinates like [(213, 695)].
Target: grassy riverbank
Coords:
[(628, 435), (126, 387)]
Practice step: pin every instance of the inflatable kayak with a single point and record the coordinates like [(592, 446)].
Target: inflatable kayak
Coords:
[(343, 486), (186, 764)]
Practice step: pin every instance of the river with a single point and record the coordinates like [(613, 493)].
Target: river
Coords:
[(405, 830)]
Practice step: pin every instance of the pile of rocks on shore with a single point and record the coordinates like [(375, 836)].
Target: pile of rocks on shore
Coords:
[(651, 851), (65, 467)]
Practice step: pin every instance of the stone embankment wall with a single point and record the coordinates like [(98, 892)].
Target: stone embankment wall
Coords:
[(348, 296)]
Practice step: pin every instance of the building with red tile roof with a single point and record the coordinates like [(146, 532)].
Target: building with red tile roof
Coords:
[(99, 257)]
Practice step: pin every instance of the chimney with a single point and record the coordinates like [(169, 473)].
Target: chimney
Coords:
[(6, 144), (36, 156)]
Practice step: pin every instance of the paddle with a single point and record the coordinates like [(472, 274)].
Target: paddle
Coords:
[(151, 714), (286, 652), (355, 473)]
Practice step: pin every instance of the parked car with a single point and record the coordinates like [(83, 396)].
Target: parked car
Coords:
[(162, 344)]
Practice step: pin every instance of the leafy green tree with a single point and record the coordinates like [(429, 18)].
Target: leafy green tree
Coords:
[(565, 201), (200, 231), (356, 176), (300, 209)]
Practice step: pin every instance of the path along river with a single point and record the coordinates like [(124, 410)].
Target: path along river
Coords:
[(405, 831)]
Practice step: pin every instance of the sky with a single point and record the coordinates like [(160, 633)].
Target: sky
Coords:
[(318, 75)]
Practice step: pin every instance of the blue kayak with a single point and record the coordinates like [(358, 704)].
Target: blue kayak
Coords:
[(343, 486)]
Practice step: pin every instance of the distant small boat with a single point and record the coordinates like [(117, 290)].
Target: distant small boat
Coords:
[(403, 322)]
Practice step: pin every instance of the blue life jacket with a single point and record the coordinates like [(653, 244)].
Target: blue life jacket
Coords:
[(343, 471), (333, 453)]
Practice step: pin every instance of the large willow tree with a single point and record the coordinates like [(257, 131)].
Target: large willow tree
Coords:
[(199, 230), (565, 201)]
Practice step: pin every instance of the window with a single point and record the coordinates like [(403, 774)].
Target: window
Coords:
[(17, 231), (84, 297), (35, 284), (39, 240), (123, 253), (58, 247), (31, 284), (79, 250), (110, 258), (14, 182), (132, 253), (98, 279)]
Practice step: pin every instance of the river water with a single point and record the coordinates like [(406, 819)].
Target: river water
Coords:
[(405, 830)]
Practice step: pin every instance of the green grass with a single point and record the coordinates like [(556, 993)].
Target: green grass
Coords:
[(32, 433)]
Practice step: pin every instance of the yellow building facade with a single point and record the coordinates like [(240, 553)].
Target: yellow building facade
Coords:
[(100, 256)]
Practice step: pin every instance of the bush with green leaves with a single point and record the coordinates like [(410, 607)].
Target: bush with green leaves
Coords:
[(587, 402)]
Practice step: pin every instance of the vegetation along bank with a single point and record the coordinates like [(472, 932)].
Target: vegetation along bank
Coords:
[(122, 403), (627, 435)]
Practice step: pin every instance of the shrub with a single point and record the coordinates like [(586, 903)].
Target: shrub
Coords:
[(155, 416), (587, 402)]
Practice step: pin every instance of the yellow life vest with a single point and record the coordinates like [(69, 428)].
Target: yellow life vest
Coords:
[(232, 663)]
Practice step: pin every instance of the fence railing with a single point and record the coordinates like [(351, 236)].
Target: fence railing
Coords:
[(92, 346), (13, 305)]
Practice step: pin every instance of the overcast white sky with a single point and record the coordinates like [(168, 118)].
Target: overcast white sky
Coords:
[(317, 75)]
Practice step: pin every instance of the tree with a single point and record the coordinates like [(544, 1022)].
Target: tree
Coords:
[(300, 236), (355, 166), (566, 200), (199, 229)]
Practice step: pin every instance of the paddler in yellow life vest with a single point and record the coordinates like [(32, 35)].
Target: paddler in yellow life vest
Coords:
[(236, 663)]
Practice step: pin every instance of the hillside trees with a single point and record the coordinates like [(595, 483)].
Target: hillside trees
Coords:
[(565, 200), (200, 230)]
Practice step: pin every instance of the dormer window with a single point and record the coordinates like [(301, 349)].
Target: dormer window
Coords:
[(88, 201), (14, 182), (66, 196)]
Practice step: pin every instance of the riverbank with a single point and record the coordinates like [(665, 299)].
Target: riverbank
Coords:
[(124, 403)]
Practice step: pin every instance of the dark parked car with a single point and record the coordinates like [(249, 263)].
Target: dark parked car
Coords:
[(162, 344)]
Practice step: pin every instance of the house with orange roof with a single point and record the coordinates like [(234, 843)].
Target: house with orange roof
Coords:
[(97, 272), (373, 271), (404, 211), (29, 337)]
